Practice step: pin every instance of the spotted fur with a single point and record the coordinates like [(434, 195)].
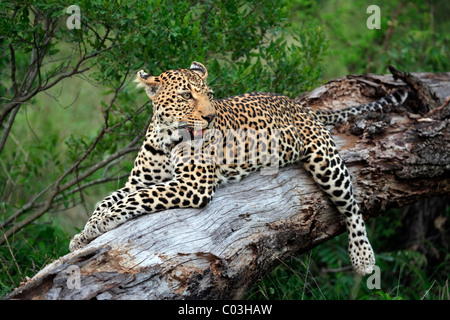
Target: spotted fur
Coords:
[(195, 143)]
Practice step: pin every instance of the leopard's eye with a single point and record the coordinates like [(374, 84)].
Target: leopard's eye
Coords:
[(186, 95), (210, 95)]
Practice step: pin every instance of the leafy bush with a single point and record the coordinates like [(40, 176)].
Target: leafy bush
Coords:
[(412, 36)]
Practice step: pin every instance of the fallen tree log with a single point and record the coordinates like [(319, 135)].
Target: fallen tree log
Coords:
[(218, 252)]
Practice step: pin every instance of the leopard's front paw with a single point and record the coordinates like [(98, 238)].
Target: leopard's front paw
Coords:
[(78, 242), (93, 228), (82, 239)]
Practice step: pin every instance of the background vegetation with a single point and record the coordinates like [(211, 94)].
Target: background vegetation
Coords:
[(71, 120)]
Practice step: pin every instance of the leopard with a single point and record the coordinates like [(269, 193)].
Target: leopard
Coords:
[(195, 143)]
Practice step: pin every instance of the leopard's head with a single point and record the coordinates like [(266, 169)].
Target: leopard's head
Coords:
[(181, 100)]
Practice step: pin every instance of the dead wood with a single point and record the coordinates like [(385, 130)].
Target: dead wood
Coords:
[(220, 251)]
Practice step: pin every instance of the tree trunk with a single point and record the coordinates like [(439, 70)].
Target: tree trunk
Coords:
[(218, 252)]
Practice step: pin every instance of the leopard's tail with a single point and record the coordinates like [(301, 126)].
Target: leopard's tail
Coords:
[(340, 116)]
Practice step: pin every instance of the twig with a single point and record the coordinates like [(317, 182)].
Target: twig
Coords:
[(8, 127), (334, 270), (426, 292), (13, 256), (13, 70), (390, 30)]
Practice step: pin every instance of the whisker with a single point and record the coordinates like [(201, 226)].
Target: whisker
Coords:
[(179, 123), (188, 121)]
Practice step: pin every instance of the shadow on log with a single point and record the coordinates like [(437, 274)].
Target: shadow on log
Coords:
[(220, 251)]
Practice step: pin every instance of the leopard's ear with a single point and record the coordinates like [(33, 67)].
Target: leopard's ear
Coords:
[(200, 69), (150, 83)]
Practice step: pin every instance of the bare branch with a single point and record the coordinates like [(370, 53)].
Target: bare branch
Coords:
[(39, 51), (8, 127), (13, 70)]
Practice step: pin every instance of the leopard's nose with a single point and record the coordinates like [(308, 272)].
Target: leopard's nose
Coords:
[(209, 117)]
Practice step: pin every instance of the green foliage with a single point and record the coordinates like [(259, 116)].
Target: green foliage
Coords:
[(24, 256), (413, 35)]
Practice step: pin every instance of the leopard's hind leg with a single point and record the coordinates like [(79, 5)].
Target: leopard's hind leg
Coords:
[(327, 168)]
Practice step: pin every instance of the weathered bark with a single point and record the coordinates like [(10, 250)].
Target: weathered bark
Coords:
[(220, 251)]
